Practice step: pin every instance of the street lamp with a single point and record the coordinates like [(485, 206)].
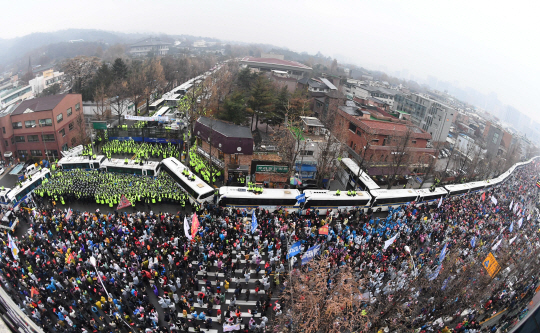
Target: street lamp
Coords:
[(94, 263), (408, 250)]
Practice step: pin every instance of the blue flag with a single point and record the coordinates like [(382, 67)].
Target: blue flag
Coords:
[(443, 254), (294, 249), (434, 275), (310, 253), (301, 198), (511, 227), (253, 221), (473, 241)]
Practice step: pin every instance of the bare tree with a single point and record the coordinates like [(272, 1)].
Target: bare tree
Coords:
[(329, 150), (136, 87), (400, 157), (80, 70), (154, 79), (312, 304), (119, 98), (101, 99), (81, 129)]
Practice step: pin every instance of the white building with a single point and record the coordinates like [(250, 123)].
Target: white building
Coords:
[(467, 147), (48, 79), (15, 95), (151, 44)]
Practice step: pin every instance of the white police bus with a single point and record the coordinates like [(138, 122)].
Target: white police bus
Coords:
[(198, 191)]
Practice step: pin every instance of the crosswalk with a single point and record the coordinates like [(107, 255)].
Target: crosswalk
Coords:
[(209, 274)]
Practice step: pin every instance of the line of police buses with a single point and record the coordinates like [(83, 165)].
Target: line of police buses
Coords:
[(246, 198)]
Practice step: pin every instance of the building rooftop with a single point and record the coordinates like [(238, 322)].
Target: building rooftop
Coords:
[(150, 41), (46, 103), (312, 121), (227, 129), (273, 61)]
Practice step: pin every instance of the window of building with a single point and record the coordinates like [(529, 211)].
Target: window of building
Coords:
[(352, 127), (65, 147), (4, 130), (29, 123), (311, 152), (71, 126), (62, 132), (375, 140), (69, 112), (36, 153), (73, 141), (77, 106), (33, 138), (12, 140), (47, 137), (59, 118), (413, 141), (6, 142), (45, 122), (19, 138), (51, 152), (22, 153), (17, 125)]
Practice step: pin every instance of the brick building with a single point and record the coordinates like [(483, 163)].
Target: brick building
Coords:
[(42, 127), (230, 145), (383, 136)]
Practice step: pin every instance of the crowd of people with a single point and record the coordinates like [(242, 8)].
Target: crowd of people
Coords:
[(146, 257), (66, 186), (204, 169), (140, 150)]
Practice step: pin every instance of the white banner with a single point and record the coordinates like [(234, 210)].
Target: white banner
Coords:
[(390, 241), (229, 328), (494, 200), (186, 228), (159, 118)]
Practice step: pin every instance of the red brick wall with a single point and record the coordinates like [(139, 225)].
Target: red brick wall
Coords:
[(69, 101)]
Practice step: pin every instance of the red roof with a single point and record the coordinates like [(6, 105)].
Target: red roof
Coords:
[(273, 61)]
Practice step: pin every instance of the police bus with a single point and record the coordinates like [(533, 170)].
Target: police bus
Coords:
[(81, 162), (198, 191), (19, 193), (324, 200), (351, 175), (271, 199), (117, 165)]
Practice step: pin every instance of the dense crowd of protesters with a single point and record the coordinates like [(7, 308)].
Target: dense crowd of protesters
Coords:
[(144, 256)]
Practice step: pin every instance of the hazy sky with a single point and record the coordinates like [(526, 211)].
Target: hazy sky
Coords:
[(491, 46)]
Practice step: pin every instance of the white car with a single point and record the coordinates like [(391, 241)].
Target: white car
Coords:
[(2, 170)]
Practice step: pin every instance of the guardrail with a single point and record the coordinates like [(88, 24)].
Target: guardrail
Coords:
[(14, 317)]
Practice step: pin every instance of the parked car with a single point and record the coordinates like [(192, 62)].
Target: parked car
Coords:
[(2, 170)]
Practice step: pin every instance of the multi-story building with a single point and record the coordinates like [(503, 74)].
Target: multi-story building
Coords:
[(48, 79), (432, 116), (42, 127), (149, 45), (492, 137), (352, 89), (376, 140), (228, 146), (293, 68), (14, 95)]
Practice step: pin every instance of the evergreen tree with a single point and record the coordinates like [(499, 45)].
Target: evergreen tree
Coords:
[(261, 101), (234, 108), (120, 69)]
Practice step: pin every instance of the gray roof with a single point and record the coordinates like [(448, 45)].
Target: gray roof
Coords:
[(149, 42), (46, 103), (227, 129), (312, 121)]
